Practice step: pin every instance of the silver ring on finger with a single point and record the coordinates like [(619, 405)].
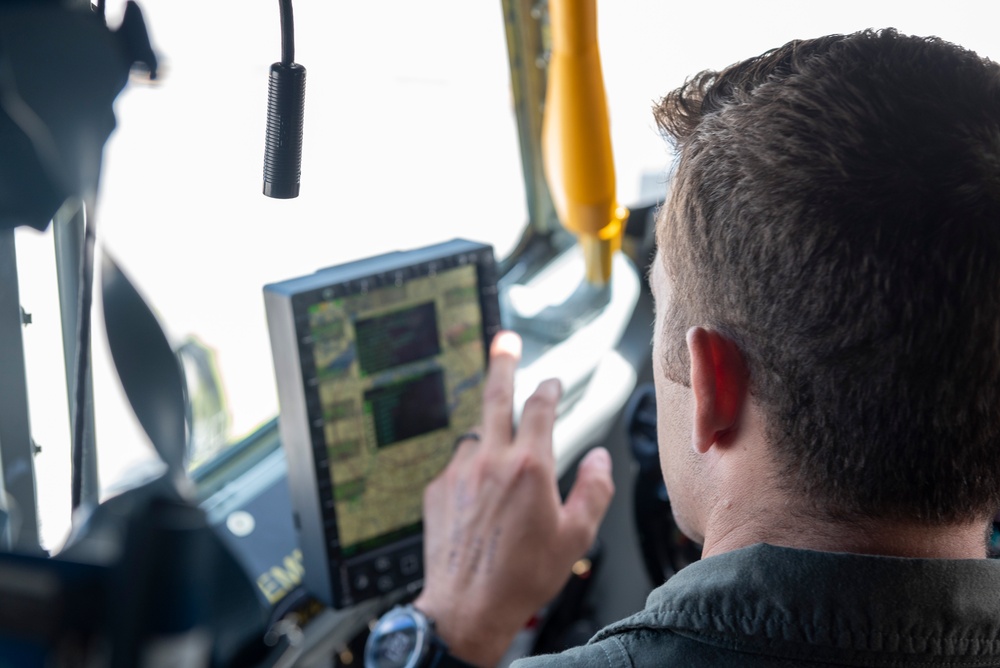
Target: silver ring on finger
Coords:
[(467, 436)]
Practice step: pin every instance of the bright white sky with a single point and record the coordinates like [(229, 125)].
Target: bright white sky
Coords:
[(409, 139)]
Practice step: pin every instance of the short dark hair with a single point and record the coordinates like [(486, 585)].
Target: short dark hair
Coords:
[(835, 210)]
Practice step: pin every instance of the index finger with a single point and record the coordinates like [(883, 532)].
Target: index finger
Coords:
[(498, 393)]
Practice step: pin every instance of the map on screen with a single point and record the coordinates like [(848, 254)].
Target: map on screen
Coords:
[(399, 371)]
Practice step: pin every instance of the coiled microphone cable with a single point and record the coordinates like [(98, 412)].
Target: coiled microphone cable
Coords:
[(286, 96)]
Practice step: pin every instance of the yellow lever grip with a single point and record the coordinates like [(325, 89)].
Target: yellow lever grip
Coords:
[(576, 137)]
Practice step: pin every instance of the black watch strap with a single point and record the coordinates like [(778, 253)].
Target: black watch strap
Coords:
[(440, 657)]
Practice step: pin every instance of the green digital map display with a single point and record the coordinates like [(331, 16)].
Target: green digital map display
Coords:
[(400, 372)]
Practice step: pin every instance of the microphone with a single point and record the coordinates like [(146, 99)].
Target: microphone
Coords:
[(286, 96)]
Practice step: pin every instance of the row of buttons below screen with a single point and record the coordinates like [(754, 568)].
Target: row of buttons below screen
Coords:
[(386, 572)]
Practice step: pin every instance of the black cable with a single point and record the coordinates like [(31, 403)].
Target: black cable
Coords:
[(287, 33), (82, 353)]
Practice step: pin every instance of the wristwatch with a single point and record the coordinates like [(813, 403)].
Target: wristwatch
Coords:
[(404, 637)]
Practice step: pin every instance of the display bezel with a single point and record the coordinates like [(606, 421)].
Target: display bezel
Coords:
[(482, 258)]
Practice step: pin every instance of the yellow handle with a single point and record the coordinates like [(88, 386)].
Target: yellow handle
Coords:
[(576, 137)]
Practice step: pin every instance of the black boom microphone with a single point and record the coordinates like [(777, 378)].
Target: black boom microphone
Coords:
[(286, 97)]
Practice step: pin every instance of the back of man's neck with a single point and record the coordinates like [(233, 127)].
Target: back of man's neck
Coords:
[(883, 538)]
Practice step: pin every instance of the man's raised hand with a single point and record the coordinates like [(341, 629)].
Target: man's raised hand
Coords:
[(498, 540)]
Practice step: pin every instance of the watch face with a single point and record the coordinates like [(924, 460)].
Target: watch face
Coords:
[(399, 640)]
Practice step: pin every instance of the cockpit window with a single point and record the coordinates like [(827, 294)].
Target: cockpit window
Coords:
[(408, 137)]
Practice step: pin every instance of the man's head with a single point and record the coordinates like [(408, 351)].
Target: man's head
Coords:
[(835, 213)]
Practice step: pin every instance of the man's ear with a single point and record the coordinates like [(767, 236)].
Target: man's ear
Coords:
[(719, 383)]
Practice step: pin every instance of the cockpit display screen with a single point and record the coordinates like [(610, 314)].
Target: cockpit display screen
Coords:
[(400, 372), (385, 370)]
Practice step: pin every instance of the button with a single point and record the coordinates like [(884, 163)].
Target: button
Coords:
[(409, 564), (385, 583), (241, 523), (361, 582), (383, 564)]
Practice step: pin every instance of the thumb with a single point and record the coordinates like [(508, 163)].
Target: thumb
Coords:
[(588, 500)]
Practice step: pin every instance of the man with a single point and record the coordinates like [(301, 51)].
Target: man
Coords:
[(827, 366)]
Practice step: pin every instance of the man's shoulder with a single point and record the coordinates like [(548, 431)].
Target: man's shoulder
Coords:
[(768, 606)]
